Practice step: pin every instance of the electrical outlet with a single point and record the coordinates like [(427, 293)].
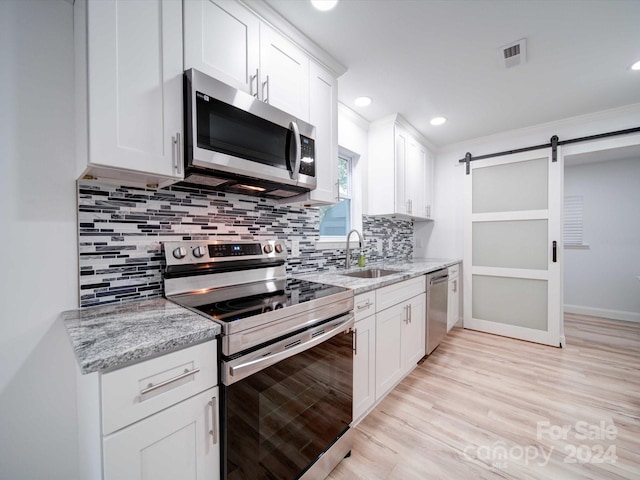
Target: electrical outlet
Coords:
[(295, 248)]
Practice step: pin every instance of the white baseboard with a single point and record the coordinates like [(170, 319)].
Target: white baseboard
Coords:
[(602, 312)]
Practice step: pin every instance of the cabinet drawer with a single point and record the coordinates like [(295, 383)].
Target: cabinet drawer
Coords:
[(364, 305), (399, 292), (135, 392)]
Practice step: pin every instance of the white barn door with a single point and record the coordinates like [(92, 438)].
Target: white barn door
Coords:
[(513, 247)]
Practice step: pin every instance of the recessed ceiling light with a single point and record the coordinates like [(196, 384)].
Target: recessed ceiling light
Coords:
[(324, 5), (362, 101), (438, 121), (636, 66)]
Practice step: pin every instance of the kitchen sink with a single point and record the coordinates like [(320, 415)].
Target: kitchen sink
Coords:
[(371, 273)]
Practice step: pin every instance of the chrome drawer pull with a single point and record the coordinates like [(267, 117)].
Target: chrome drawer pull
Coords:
[(366, 305), (151, 387)]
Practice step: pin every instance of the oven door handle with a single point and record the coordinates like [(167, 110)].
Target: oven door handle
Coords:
[(243, 370)]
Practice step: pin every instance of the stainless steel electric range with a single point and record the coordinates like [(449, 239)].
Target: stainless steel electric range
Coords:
[(286, 356)]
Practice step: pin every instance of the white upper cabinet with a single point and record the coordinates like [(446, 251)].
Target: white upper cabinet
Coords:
[(323, 114), (229, 42), (415, 179), (284, 74), (129, 90), (222, 39), (400, 171), (262, 61)]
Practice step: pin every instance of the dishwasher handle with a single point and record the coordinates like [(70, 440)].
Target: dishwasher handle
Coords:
[(440, 279)]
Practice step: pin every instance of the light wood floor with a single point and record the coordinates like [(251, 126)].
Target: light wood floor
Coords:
[(485, 407)]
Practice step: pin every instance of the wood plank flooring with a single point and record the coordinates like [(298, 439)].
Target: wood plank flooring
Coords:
[(488, 407)]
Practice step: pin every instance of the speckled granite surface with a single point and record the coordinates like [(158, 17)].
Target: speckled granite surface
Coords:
[(406, 270), (112, 336)]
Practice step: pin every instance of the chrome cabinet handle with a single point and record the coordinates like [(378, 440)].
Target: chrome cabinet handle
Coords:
[(410, 313), (365, 306), (177, 164), (266, 98), (251, 79), (214, 420), (151, 387), (455, 286), (355, 341)]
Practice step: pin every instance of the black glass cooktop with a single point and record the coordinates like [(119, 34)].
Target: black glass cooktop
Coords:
[(231, 304)]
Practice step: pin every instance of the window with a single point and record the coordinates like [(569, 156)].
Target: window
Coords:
[(335, 220), (572, 228)]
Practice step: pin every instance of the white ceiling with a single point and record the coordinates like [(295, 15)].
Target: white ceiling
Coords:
[(423, 58)]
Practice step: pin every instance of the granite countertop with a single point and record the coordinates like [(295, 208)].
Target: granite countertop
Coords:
[(113, 336), (406, 270)]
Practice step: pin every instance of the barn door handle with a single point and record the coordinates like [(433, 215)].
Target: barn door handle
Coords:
[(554, 254)]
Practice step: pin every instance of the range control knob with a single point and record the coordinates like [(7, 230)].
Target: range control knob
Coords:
[(180, 253), (199, 252), (267, 248), (279, 248)]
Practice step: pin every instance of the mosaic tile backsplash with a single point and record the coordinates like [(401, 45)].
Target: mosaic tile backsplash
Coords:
[(121, 230)]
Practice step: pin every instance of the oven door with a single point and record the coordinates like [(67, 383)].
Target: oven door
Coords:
[(285, 404)]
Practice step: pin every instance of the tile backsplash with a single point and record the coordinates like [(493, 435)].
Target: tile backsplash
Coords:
[(121, 230)]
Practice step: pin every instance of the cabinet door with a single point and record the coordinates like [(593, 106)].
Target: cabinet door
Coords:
[(413, 333), (401, 154), (179, 442), (428, 184), (284, 74), (453, 305), (222, 39), (135, 85), (389, 363), (364, 367), (323, 114), (414, 178)]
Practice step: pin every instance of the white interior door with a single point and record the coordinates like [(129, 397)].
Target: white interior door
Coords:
[(512, 270)]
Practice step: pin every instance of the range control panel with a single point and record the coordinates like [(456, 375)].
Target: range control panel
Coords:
[(193, 252)]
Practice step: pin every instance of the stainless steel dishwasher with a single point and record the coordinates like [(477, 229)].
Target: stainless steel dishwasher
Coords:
[(437, 294)]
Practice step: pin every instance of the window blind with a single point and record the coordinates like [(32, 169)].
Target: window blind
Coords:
[(573, 205)]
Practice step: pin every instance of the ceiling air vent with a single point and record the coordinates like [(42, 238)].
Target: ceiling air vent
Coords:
[(513, 54)]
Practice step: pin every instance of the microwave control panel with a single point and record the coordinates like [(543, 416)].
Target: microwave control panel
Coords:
[(307, 161)]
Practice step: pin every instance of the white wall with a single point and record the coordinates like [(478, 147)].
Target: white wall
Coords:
[(604, 280), (38, 274), (353, 135)]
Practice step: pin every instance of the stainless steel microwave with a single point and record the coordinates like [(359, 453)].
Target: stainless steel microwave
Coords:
[(237, 143)]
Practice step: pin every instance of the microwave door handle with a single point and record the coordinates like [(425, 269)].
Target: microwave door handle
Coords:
[(296, 137)]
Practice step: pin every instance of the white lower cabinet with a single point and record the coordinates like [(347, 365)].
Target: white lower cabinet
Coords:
[(400, 342), (157, 419), (179, 442), (390, 340), (364, 358)]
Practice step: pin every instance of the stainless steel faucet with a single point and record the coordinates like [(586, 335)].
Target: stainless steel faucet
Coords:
[(347, 261)]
